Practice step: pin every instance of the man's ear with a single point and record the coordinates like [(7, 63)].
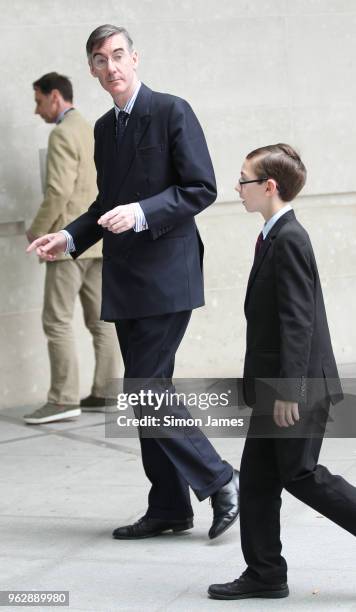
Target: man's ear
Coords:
[(56, 95), (92, 69), (135, 59)]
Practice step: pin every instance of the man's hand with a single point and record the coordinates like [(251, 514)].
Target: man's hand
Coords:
[(30, 237), (119, 219), (47, 247), (285, 412)]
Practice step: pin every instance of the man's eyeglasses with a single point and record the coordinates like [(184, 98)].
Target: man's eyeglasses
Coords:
[(260, 180), (101, 63)]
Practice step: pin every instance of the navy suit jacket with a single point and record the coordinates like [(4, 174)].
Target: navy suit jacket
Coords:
[(288, 339), (164, 164)]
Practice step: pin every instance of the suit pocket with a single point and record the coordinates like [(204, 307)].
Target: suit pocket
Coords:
[(150, 150)]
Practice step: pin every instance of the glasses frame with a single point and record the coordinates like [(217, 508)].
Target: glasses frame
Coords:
[(115, 60), (260, 180)]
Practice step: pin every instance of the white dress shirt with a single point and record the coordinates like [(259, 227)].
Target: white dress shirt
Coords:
[(140, 219), (270, 223)]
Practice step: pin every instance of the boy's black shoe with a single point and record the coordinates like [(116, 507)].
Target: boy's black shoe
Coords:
[(245, 587)]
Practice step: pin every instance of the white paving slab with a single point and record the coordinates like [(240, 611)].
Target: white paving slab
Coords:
[(65, 487)]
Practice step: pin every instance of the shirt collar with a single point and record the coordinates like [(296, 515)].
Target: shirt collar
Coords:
[(61, 115), (129, 104), (270, 223)]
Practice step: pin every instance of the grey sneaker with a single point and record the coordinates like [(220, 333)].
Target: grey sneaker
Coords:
[(52, 412), (99, 404)]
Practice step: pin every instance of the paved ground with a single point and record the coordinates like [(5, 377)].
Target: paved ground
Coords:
[(64, 488)]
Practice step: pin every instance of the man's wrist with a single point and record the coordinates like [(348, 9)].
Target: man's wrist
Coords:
[(70, 248), (140, 219)]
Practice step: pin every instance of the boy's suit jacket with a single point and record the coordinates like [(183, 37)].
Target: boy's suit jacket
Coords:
[(164, 164), (288, 337)]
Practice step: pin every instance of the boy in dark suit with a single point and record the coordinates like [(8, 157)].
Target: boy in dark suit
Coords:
[(290, 378)]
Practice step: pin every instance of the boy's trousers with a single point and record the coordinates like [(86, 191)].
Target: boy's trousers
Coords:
[(271, 464)]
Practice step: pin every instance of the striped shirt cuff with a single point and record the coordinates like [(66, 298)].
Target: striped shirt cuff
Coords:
[(70, 242), (140, 219)]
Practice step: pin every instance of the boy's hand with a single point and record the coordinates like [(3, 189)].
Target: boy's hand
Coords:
[(285, 413), (48, 246)]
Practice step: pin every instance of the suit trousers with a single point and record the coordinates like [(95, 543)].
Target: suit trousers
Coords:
[(65, 280), (148, 348), (271, 464)]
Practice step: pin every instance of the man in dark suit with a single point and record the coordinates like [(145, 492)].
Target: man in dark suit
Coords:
[(290, 378), (152, 159)]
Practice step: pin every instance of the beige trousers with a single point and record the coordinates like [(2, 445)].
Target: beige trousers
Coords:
[(64, 281)]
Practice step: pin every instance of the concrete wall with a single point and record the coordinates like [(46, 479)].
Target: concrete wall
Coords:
[(255, 73)]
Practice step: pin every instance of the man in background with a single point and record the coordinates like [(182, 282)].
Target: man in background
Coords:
[(70, 188)]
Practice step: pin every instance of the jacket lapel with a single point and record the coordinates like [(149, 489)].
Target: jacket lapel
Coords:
[(137, 125), (111, 128), (258, 261)]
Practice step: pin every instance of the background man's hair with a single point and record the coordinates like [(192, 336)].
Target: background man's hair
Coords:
[(282, 163), (102, 33), (53, 80)]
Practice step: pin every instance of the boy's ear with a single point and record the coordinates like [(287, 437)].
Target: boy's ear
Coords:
[(271, 187)]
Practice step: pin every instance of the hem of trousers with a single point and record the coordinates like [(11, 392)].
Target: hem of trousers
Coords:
[(169, 515), (274, 580), (219, 482)]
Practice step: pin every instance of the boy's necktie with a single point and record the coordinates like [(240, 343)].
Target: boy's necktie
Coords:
[(259, 243)]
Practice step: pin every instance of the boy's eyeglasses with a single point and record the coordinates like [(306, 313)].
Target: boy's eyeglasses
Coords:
[(260, 180)]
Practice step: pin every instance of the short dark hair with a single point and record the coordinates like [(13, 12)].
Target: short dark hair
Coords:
[(100, 34), (282, 163), (52, 80)]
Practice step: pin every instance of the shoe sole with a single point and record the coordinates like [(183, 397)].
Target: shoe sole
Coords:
[(262, 594), (177, 528), (105, 409), (225, 528), (69, 414)]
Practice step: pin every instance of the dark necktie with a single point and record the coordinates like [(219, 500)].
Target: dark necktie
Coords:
[(259, 243), (122, 118)]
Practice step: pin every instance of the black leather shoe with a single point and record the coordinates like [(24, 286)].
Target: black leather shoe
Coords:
[(150, 527), (245, 587), (225, 503)]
